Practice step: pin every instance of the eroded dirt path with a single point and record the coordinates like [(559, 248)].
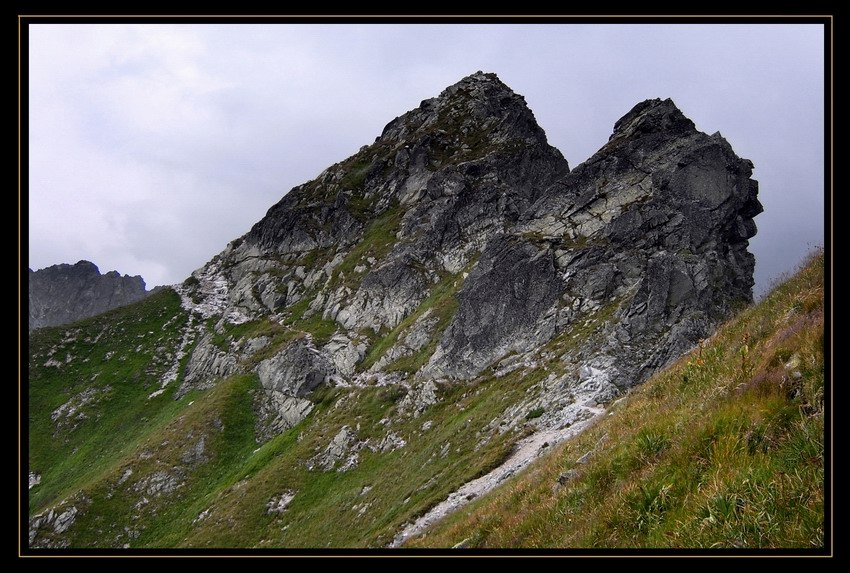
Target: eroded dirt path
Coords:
[(527, 450)]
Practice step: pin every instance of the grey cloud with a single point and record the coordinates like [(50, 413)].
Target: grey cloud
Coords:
[(153, 146)]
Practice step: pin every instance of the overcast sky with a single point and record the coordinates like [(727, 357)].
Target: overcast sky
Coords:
[(152, 146)]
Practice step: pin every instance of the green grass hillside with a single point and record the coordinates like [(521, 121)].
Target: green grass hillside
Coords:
[(88, 392), (158, 472), (725, 449)]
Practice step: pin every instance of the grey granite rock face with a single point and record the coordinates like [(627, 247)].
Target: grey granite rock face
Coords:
[(207, 364), (476, 146), (462, 199), (62, 294), (658, 218), (447, 177), (287, 379), (506, 305), (385, 297)]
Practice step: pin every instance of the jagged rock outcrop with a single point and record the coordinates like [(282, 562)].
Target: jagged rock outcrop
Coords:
[(460, 241), (657, 221), (62, 294), (507, 304), (207, 364), (45, 530), (295, 371), (436, 185), (368, 240), (287, 380)]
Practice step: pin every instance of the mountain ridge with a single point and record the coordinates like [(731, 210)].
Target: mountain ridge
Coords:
[(442, 300), (64, 293)]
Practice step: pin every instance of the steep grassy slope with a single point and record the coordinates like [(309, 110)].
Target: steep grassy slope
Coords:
[(725, 449), (89, 401), (169, 491)]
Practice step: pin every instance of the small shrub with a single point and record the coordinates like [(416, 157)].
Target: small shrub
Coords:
[(534, 413), (650, 444), (724, 507), (648, 504)]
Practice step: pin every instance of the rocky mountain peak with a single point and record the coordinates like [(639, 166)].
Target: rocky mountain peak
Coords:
[(65, 293), (460, 241), (477, 109), (474, 145), (653, 116)]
